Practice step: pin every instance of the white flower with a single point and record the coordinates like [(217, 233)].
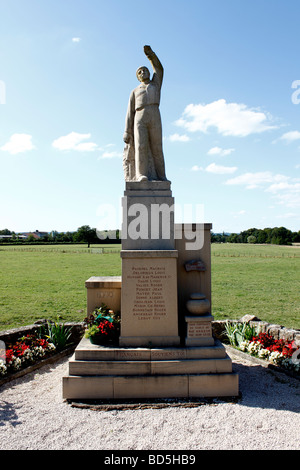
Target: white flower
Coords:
[(254, 347), (275, 357), (16, 362), (38, 351), (28, 355), (3, 368), (244, 345), (263, 353)]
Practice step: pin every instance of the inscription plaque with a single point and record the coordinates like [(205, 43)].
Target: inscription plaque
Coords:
[(149, 299), (199, 329)]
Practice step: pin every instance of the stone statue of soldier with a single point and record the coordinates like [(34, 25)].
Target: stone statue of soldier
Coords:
[(143, 130)]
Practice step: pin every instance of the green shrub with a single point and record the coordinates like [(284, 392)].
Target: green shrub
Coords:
[(237, 332)]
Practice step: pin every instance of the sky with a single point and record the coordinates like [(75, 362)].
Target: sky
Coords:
[(230, 108)]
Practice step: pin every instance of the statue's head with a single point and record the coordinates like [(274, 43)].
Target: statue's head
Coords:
[(143, 74)]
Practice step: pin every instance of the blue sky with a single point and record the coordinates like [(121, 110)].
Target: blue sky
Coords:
[(230, 114)]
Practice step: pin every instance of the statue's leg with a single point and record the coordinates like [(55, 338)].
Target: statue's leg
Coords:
[(155, 137), (141, 147)]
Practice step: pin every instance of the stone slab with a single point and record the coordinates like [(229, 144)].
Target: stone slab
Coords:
[(191, 366), (109, 282), (149, 298), (151, 387), (188, 250), (86, 351), (148, 185), (169, 386), (213, 385), (104, 368), (84, 387), (150, 341), (161, 367)]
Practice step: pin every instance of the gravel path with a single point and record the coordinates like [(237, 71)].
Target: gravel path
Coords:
[(33, 416)]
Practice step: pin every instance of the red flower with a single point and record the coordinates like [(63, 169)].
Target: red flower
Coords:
[(9, 355), (275, 345), (105, 327)]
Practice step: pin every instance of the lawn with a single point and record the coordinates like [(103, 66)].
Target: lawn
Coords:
[(48, 281), (259, 280)]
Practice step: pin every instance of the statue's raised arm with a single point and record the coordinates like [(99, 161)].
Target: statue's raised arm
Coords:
[(155, 62)]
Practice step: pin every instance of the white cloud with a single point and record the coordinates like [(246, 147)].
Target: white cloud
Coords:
[(290, 136), (179, 138), (216, 169), (286, 192), (197, 168), (230, 119), (18, 143), (284, 185), (220, 151), (111, 155), (73, 141), (220, 170), (253, 180), (284, 189), (289, 199), (76, 39)]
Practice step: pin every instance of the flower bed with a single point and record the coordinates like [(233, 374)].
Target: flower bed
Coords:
[(24, 352), (264, 346)]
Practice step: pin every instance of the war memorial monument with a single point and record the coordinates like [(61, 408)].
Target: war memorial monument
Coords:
[(166, 347)]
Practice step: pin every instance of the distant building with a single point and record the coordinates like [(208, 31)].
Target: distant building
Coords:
[(37, 234), (7, 237)]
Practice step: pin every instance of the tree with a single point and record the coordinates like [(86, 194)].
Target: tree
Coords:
[(5, 232), (85, 234)]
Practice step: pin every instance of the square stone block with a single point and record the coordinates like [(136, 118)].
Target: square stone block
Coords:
[(148, 216), (103, 290), (85, 387), (214, 385)]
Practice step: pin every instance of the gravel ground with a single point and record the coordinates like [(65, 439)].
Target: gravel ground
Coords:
[(33, 416)]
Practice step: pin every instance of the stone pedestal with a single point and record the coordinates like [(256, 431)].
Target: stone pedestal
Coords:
[(103, 290), (148, 216), (149, 310)]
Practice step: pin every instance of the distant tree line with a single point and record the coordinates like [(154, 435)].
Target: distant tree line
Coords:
[(275, 236), (86, 234)]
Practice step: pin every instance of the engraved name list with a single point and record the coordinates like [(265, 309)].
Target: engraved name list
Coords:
[(149, 283)]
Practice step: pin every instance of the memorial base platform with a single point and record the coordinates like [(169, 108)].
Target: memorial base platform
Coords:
[(100, 372)]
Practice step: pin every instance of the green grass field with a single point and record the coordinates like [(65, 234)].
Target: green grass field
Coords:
[(48, 281)]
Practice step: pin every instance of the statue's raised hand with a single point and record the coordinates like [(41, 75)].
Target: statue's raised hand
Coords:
[(148, 51)]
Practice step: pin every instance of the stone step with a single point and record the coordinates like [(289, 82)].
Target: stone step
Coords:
[(181, 366), (86, 351), (150, 386)]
